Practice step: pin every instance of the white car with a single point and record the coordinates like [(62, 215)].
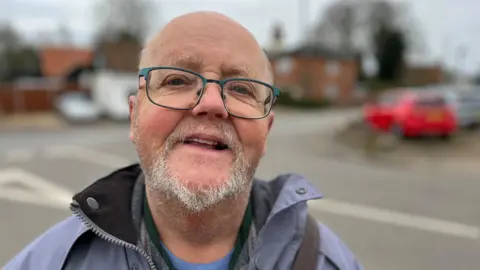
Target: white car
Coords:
[(469, 109), (465, 99), (77, 108)]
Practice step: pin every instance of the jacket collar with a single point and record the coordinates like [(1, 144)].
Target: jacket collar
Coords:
[(112, 195)]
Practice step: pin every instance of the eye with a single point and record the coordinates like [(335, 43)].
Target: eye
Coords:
[(242, 88), (175, 81)]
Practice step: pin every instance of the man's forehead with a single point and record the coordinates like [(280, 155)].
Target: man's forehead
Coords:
[(235, 66)]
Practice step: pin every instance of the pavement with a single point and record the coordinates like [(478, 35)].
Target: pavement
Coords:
[(391, 218), (30, 121), (461, 153)]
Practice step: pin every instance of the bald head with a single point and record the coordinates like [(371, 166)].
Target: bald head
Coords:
[(205, 21), (198, 36)]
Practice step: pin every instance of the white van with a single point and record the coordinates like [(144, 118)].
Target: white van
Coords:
[(110, 91)]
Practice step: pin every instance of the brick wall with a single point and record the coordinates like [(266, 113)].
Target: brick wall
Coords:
[(15, 100), (121, 56), (423, 75), (316, 76)]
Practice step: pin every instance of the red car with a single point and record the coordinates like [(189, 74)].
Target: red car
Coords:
[(411, 114)]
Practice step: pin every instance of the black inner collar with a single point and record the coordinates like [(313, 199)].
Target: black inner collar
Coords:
[(114, 194)]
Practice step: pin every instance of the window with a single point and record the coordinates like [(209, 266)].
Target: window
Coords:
[(100, 61), (284, 65), (331, 92), (431, 101), (332, 68)]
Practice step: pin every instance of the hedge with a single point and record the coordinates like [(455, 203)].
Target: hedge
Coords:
[(286, 99)]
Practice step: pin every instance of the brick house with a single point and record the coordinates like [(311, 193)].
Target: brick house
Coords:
[(315, 73), (60, 61), (63, 68), (57, 64), (423, 75), (117, 55)]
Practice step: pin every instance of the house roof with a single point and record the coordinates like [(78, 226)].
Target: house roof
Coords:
[(59, 61), (109, 51), (311, 51)]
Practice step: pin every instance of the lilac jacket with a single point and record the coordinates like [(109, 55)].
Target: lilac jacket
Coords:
[(100, 234)]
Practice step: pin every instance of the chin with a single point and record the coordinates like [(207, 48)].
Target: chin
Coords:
[(199, 173), (199, 191), (202, 180), (197, 183)]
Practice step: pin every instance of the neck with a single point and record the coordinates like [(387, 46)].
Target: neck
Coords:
[(200, 237)]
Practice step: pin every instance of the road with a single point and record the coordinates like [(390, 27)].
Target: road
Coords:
[(392, 218)]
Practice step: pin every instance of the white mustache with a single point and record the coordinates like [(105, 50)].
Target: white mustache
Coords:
[(226, 133)]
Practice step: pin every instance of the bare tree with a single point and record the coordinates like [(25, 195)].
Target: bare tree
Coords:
[(338, 26), (123, 19), (16, 57), (350, 25), (8, 37), (10, 44), (380, 29)]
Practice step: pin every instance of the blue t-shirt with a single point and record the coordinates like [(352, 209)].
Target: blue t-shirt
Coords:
[(180, 264)]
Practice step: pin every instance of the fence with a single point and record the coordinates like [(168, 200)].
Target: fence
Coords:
[(18, 99)]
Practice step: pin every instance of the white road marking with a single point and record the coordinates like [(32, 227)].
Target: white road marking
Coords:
[(20, 155), (38, 191), (89, 155), (327, 205), (396, 218)]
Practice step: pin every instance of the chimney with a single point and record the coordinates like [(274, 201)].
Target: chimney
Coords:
[(277, 38)]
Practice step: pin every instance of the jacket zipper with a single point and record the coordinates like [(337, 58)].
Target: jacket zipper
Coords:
[(106, 236)]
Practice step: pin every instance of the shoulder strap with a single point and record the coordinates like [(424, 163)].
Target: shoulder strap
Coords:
[(307, 256)]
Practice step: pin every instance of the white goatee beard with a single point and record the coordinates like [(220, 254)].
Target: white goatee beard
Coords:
[(159, 178)]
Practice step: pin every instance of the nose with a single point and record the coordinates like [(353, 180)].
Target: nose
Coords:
[(211, 103)]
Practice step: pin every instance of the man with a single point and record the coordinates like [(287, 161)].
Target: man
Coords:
[(199, 123)]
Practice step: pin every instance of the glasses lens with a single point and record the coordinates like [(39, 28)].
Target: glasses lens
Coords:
[(248, 99), (174, 88)]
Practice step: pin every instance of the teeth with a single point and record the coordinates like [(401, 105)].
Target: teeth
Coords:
[(203, 141)]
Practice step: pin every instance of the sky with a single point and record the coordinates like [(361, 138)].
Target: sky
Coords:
[(445, 26)]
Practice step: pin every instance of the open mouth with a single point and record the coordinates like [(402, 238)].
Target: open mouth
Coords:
[(211, 144)]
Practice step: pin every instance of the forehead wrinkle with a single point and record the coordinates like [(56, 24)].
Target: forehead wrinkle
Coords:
[(150, 56), (194, 63), (197, 64), (243, 70), (185, 61)]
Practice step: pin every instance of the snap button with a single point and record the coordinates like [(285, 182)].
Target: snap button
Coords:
[(301, 191), (135, 267), (92, 203)]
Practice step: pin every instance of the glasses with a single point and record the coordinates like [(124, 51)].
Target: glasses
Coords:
[(181, 89)]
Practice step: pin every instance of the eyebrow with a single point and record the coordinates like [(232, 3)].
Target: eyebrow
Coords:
[(187, 62), (227, 69)]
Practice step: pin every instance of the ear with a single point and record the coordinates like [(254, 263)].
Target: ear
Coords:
[(270, 119), (132, 103)]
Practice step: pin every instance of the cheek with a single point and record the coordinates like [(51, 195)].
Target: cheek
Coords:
[(252, 135), (154, 124)]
